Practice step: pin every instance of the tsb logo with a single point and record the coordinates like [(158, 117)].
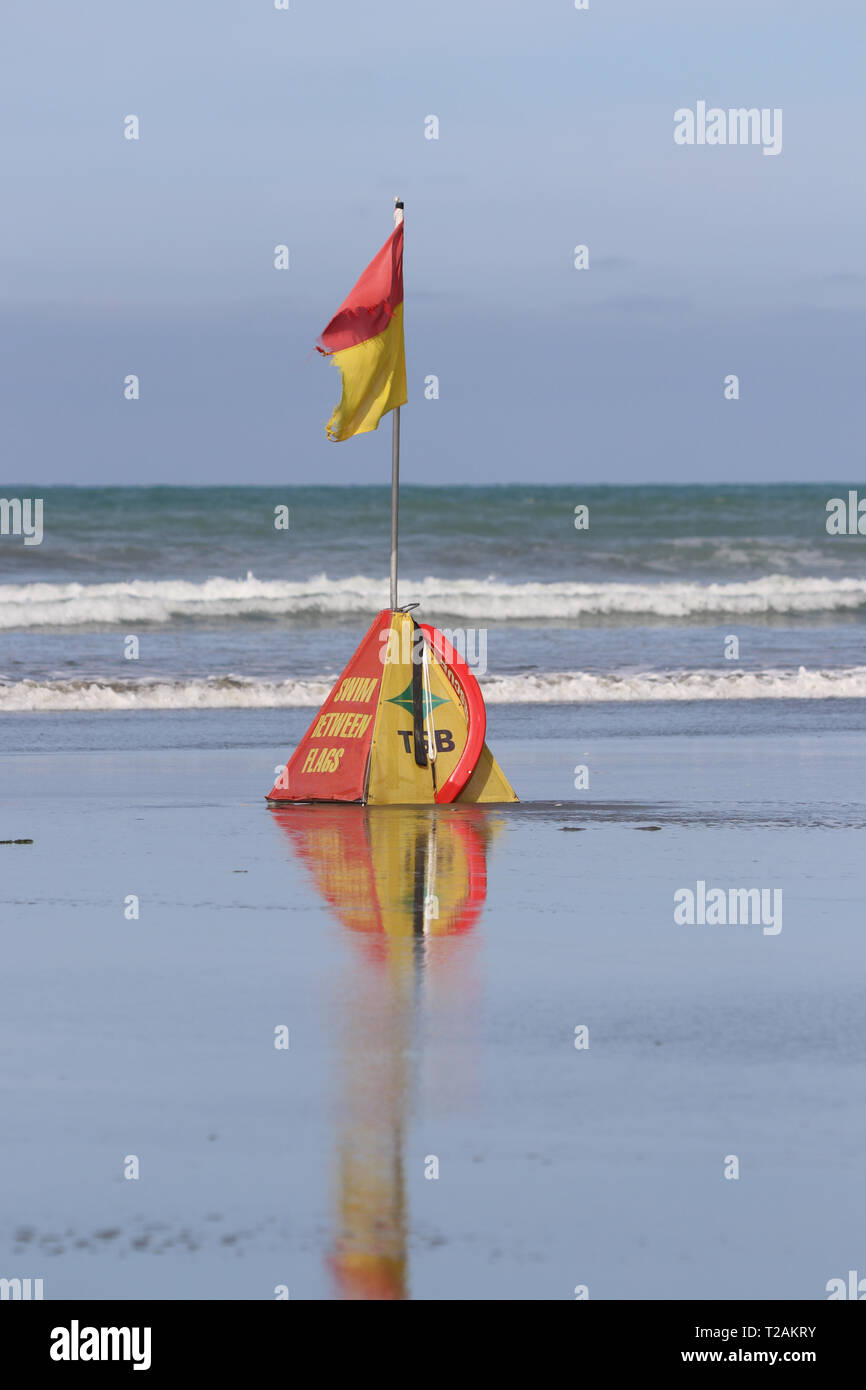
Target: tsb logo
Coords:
[(444, 740)]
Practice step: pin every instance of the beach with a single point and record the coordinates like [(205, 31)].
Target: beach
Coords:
[(432, 674), (304, 1170), (602, 1043)]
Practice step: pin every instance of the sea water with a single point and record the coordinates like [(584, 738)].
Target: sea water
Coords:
[(659, 594)]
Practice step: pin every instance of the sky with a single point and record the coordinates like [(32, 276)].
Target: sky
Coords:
[(261, 127)]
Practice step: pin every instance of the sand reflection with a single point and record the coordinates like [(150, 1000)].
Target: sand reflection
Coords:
[(410, 883)]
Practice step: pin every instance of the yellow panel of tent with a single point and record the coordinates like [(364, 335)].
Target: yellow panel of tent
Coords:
[(394, 777)]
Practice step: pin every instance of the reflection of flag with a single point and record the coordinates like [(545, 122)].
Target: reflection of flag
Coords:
[(365, 338)]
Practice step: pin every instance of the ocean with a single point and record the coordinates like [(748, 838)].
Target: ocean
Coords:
[(635, 607), (457, 1053)]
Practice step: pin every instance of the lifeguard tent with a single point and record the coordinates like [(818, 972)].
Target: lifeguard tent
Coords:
[(404, 724)]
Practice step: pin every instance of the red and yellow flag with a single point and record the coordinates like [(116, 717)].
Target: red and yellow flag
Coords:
[(365, 339)]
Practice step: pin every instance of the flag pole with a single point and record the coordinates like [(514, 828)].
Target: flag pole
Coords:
[(395, 499), (395, 460)]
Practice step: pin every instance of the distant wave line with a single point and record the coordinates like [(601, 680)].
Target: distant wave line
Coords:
[(549, 688), (476, 601)]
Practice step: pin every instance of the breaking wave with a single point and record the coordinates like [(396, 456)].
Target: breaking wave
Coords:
[(477, 601), (551, 688)]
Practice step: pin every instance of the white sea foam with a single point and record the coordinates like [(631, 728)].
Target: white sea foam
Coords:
[(581, 687), (477, 600), (551, 688), (209, 692)]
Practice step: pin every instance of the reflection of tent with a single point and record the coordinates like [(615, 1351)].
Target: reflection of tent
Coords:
[(405, 871), (404, 724), (400, 877)]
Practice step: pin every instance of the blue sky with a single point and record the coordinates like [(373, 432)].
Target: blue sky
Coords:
[(261, 127)]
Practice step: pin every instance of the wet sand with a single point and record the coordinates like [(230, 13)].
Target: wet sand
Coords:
[(432, 969)]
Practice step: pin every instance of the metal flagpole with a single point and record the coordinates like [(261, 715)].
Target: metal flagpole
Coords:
[(395, 499), (395, 460)]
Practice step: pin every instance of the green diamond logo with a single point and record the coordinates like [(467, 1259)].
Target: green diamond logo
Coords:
[(404, 700)]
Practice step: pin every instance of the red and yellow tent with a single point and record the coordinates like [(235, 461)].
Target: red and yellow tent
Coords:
[(404, 724)]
